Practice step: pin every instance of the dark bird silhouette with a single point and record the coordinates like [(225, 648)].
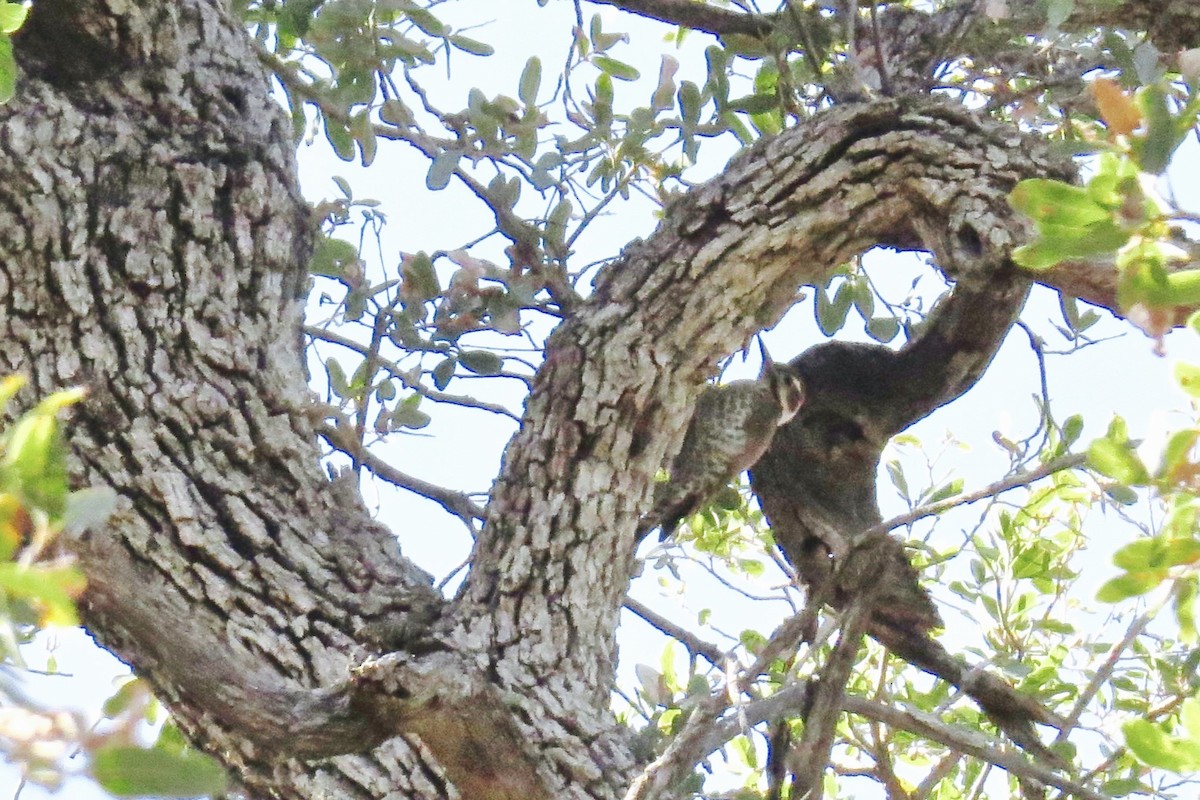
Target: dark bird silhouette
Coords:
[(816, 484)]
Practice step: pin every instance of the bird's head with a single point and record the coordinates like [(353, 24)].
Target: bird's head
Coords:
[(787, 388), (785, 384)]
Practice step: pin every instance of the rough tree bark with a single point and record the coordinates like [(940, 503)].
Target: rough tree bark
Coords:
[(153, 248)]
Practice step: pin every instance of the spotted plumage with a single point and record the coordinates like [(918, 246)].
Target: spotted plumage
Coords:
[(731, 428)]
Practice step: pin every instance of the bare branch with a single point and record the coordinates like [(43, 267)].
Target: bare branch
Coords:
[(1104, 672), (794, 698), (342, 437), (697, 16), (694, 644), (813, 752), (692, 742)]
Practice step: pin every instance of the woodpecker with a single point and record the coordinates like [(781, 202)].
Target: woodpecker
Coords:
[(731, 428)]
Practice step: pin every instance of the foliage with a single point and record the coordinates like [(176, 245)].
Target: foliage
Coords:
[(38, 586), (1116, 210), (12, 17)]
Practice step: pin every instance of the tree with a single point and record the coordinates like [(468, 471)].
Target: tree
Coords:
[(156, 250)]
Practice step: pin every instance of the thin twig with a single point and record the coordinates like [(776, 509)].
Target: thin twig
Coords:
[(1102, 675), (999, 487), (690, 744), (694, 644), (392, 369), (972, 743), (936, 775), (342, 437)]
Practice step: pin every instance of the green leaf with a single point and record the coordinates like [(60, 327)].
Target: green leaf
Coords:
[(1184, 604), (420, 280), (831, 315), (33, 456), (8, 69), (406, 416), (755, 103), (883, 329), (1151, 745), (481, 362), (340, 139), (1157, 552), (1057, 243), (442, 169), (948, 490), (1118, 461), (443, 372), (337, 378), (689, 103), (9, 386), (296, 16), (122, 698), (12, 16), (1121, 494), (1071, 429), (531, 81), (1057, 203), (1162, 136), (134, 771), (1131, 584), (52, 589), (1182, 288), (427, 22), (472, 46), (556, 223), (331, 257), (386, 390)]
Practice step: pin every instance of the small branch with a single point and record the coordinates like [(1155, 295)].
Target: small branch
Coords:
[(694, 742), (697, 16), (969, 743), (457, 503), (372, 362), (793, 699), (820, 722), (400, 375), (694, 644), (999, 487), (936, 775), (1102, 675)]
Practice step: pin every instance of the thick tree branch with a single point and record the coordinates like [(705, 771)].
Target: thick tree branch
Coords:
[(698, 16)]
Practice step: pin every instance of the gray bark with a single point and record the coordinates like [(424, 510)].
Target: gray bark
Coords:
[(153, 248)]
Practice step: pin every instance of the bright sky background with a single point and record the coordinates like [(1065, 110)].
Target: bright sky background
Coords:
[(462, 449)]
